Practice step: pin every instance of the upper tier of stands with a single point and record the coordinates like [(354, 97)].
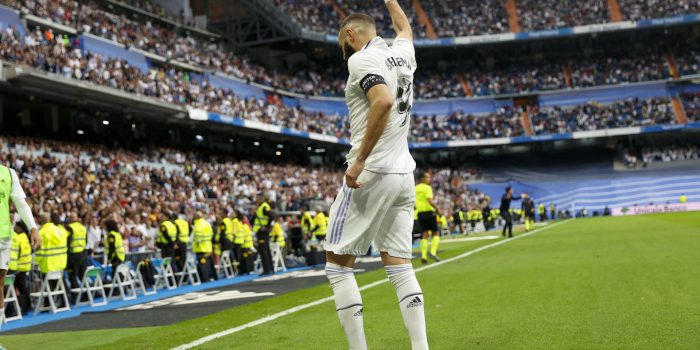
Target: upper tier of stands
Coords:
[(457, 18)]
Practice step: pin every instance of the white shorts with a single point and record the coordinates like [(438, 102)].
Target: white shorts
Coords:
[(380, 211), (5, 253)]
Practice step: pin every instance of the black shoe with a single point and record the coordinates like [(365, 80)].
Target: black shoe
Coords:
[(424, 261), (434, 257)]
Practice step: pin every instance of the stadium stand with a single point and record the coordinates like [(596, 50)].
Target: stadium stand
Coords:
[(595, 116), (551, 14), (645, 9)]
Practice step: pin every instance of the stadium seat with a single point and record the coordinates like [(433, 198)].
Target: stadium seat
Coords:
[(46, 291), (189, 274), (226, 266), (141, 285), (165, 277), (11, 298), (92, 286), (277, 258), (124, 282)]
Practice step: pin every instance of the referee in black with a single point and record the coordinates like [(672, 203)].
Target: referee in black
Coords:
[(505, 211)]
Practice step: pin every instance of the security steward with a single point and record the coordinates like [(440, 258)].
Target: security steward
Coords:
[(182, 241), (248, 250), (203, 236), (115, 246), (21, 264), (223, 240), (320, 225), (277, 234), (238, 239), (77, 255), (166, 240), (528, 207), (543, 212), (53, 254), (262, 225), (307, 223)]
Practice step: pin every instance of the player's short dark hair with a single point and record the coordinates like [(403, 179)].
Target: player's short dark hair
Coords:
[(358, 17)]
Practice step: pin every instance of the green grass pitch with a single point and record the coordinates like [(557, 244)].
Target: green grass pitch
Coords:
[(601, 283)]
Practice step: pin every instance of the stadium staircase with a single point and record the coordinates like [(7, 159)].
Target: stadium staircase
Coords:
[(526, 123), (513, 18), (614, 11), (672, 66), (465, 85), (567, 75), (681, 117), (337, 9), (424, 19)]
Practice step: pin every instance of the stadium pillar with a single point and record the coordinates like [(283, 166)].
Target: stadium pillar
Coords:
[(465, 85), (681, 117), (513, 19), (424, 19), (672, 65), (55, 122), (337, 8), (614, 10), (25, 118)]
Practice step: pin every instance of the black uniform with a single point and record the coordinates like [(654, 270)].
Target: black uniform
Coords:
[(528, 208), (505, 213)]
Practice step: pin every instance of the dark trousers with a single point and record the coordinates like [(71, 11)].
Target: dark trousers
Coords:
[(205, 267), (77, 264), (509, 223), (180, 256), (168, 251), (238, 255), (264, 250), (22, 289)]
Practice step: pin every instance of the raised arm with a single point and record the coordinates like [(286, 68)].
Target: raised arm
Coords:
[(401, 24)]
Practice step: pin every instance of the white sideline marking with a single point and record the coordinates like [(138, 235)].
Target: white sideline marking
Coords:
[(272, 317)]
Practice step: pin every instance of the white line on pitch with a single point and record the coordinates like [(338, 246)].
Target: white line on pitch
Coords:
[(272, 317)]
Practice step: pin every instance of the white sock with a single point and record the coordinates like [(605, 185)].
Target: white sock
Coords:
[(411, 303), (348, 304)]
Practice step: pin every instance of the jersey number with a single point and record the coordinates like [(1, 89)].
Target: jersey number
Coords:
[(404, 92)]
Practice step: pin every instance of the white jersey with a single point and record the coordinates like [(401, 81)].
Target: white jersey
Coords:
[(394, 66)]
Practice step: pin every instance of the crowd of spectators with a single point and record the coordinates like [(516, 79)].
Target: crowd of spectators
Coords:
[(139, 188), (64, 57), (455, 18), (596, 116), (691, 105), (505, 122), (516, 78), (642, 156), (551, 14), (636, 10), (626, 68), (670, 153), (160, 11)]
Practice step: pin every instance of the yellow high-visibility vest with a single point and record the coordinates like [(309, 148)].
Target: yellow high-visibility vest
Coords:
[(183, 231), (79, 237), (53, 254), (21, 257), (321, 224), (247, 237), (238, 231), (170, 229), (260, 218), (202, 236), (116, 238), (277, 235), (306, 223)]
